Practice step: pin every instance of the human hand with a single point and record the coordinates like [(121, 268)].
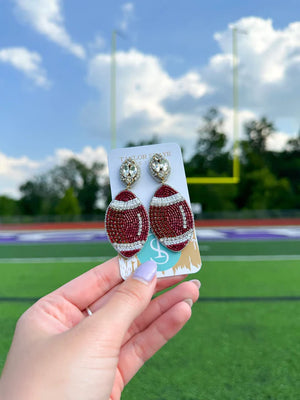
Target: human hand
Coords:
[(59, 352)]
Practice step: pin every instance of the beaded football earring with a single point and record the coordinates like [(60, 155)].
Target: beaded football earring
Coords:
[(171, 218), (126, 219)]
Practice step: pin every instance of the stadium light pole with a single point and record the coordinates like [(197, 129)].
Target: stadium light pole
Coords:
[(113, 87)]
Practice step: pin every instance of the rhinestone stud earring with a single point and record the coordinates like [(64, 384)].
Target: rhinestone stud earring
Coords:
[(171, 218), (126, 219)]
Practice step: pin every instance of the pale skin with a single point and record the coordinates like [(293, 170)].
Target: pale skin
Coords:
[(59, 352)]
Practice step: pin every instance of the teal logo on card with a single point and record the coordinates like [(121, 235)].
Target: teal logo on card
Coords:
[(155, 251)]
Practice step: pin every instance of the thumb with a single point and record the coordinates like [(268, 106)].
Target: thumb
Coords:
[(128, 302)]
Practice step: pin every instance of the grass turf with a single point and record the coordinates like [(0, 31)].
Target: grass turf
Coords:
[(212, 248), (227, 350), (45, 250)]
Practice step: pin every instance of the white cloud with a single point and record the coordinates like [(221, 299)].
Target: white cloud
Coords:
[(16, 170), (13, 171), (188, 84), (127, 16), (142, 88), (277, 141), (97, 44), (243, 117), (88, 156), (269, 73), (28, 62), (268, 66), (46, 17)]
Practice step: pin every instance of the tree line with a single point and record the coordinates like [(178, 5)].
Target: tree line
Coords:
[(72, 189), (269, 180)]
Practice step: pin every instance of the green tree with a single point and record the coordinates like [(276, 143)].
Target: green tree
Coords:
[(257, 132), (87, 182), (286, 164), (38, 197), (212, 159), (211, 156), (214, 197), (144, 142), (254, 153), (68, 204), (212, 139), (8, 206), (263, 191), (41, 195), (293, 145)]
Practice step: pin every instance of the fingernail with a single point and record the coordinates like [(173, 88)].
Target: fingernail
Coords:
[(189, 302), (197, 283), (146, 271)]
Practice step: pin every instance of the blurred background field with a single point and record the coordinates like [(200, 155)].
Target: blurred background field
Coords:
[(242, 342)]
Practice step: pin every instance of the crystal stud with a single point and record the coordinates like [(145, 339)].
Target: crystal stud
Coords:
[(159, 167), (129, 172)]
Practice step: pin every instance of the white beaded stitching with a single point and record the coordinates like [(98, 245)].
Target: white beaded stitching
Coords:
[(166, 201), (168, 241)]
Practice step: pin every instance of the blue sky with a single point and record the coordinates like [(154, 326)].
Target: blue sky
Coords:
[(174, 62)]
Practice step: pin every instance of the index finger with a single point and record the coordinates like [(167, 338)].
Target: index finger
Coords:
[(89, 287), (93, 284)]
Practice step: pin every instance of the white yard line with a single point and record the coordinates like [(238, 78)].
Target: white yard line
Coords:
[(44, 260), (279, 257)]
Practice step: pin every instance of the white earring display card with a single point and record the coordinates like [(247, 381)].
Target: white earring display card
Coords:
[(169, 263)]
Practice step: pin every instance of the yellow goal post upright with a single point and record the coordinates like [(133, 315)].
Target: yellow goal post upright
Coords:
[(235, 178)]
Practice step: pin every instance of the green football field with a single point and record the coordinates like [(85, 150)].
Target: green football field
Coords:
[(242, 342)]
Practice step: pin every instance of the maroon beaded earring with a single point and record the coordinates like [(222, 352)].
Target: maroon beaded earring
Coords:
[(126, 219), (171, 218)]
